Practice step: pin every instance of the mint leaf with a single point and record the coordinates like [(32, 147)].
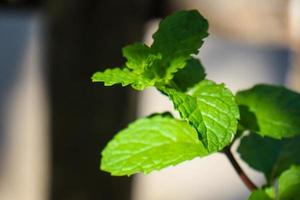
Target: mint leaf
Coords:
[(269, 155), (178, 36), (151, 144), (140, 57), (270, 110), (259, 195), (289, 184), (260, 153), (137, 72), (287, 189), (211, 109), (191, 74), (289, 155), (124, 77)]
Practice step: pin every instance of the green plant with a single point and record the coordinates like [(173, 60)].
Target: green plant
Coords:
[(265, 117)]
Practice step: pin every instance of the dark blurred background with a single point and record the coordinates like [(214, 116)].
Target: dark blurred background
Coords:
[(75, 39), (54, 122)]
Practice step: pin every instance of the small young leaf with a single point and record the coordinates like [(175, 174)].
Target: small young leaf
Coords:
[(191, 74), (289, 184), (211, 109), (140, 57), (270, 110), (268, 155), (151, 144), (122, 76)]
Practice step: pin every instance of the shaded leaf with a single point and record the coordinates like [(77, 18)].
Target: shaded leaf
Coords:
[(276, 110), (179, 36), (190, 75), (269, 155)]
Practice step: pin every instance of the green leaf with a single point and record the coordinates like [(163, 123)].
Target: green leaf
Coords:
[(178, 37), (180, 34), (140, 57), (191, 74), (259, 195), (124, 77), (289, 184), (270, 110), (287, 187), (137, 72), (260, 153), (211, 109), (289, 155), (151, 144), (268, 155)]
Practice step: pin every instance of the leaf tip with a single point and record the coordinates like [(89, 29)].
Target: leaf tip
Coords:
[(95, 77)]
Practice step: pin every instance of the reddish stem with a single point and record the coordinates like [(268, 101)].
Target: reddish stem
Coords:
[(249, 184)]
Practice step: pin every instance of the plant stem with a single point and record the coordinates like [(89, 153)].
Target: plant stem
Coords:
[(249, 184)]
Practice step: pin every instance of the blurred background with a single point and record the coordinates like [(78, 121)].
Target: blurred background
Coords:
[(54, 122)]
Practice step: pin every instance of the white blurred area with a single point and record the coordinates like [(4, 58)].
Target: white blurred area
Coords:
[(24, 164)]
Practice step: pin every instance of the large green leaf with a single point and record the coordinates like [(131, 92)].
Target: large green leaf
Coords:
[(211, 109), (289, 155), (270, 110), (151, 144), (269, 155), (260, 153)]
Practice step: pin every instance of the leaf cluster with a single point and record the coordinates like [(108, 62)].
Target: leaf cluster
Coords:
[(210, 114)]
